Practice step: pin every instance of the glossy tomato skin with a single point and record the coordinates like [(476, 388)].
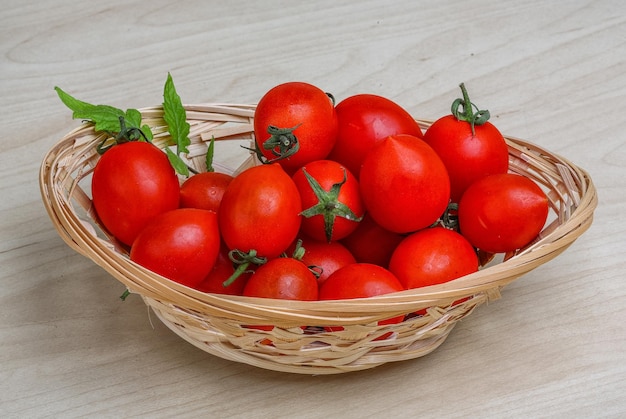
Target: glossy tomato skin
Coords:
[(404, 184), (370, 243), (301, 105), (363, 121), (132, 183), (260, 210), (326, 257), (502, 213), (467, 157), (359, 280), (282, 278), (180, 244), (432, 256), (222, 270), (328, 173), (204, 190)]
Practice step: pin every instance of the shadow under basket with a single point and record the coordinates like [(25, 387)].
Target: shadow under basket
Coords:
[(317, 337)]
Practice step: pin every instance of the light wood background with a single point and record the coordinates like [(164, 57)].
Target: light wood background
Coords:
[(553, 73)]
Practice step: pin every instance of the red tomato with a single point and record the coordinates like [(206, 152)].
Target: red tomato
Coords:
[(260, 211), (132, 183), (359, 280), (283, 278), (331, 200), (222, 270), (432, 256), (502, 213), (180, 244), (328, 257), (370, 243), (469, 150), (404, 184), (204, 190), (363, 121), (295, 123)]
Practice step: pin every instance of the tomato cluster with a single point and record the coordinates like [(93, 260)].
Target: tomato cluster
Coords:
[(349, 200)]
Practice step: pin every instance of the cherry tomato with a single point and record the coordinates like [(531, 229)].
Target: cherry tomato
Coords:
[(432, 256), (295, 123), (370, 243), (180, 244), (502, 213), (132, 183), (404, 184), (363, 121), (204, 190), (359, 280), (222, 270), (324, 256), (331, 200), (260, 211), (469, 150), (282, 278)]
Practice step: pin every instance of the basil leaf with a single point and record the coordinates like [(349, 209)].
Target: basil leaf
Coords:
[(106, 118), (175, 117), (177, 163)]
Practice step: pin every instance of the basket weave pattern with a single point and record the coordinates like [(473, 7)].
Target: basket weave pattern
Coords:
[(218, 324)]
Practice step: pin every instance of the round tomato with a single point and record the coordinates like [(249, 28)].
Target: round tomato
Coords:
[(180, 244), (359, 280), (295, 123), (469, 146), (260, 211), (282, 278), (204, 190), (132, 183), (502, 213), (323, 257), (363, 121), (404, 184), (222, 271), (370, 243), (331, 200), (432, 256)]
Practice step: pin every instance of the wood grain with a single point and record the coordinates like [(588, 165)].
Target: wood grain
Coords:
[(552, 73)]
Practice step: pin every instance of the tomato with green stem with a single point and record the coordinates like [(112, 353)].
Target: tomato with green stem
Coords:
[(294, 123), (259, 215), (206, 189), (321, 256), (469, 146), (331, 200)]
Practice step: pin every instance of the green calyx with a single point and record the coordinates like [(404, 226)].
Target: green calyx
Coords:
[(242, 260), (328, 205), (463, 110)]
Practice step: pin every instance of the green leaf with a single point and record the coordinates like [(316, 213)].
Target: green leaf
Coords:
[(177, 163), (105, 118), (209, 156), (175, 117)]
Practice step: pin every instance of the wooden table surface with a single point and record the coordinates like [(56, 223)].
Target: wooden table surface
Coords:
[(553, 73)]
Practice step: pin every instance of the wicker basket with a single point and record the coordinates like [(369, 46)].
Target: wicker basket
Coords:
[(217, 324)]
